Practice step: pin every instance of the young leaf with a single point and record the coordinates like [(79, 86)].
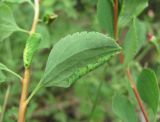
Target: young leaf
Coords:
[(31, 47), (105, 15), (124, 109), (148, 88), (76, 55), (3, 67), (134, 40), (131, 9), (7, 22)]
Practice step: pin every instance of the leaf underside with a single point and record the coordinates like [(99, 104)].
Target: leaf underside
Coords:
[(76, 55)]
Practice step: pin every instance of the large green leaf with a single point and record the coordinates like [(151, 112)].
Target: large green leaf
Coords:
[(105, 15), (76, 55), (7, 22), (148, 88), (131, 9), (135, 39), (123, 108)]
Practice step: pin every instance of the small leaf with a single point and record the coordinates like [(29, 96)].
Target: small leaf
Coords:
[(7, 22), (135, 39), (131, 9), (5, 68), (31, 47), (124, 109), (49, 18), (76, 55), (105, 15), (148, 88)]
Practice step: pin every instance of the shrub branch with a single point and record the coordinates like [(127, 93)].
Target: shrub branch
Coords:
[(27, 72), (129, 75)]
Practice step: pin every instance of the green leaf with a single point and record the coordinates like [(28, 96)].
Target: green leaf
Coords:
[(31, 47), (131, 9), (105, 15), (135, 39), (5, 68), (141, 31), (76, 55), (7, 22), (148, 88), (124, 109), (2, 77), (49, 17)]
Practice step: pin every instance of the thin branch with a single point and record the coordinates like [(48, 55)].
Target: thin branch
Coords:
[(121, 57), (36, 16), (5, 103), (24, 94), (143, 53), (15, 74), (136, 93), (34, 92), (95, 101), (26, 79)]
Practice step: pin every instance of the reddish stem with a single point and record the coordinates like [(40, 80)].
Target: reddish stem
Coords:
[(136, 93), (121, 57)]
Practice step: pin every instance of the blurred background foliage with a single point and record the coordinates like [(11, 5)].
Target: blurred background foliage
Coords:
[(73, 104)]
